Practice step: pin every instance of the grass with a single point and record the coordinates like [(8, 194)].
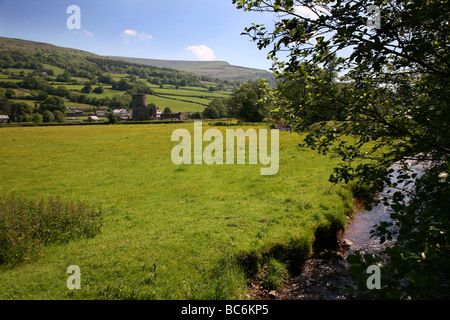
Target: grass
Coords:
[(184, 99), (25, 226), (169, 232), (174, 105)]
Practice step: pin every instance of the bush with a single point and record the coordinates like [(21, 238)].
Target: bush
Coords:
[(98, 90), (210, 112), (48, 116), (112, 118), (59, 116), (221, 123), (36, 117), (26, 225)]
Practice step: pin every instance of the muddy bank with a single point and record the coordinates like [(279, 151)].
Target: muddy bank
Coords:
[(326, 275)]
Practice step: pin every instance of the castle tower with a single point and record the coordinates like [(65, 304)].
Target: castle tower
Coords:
[(139, 108)]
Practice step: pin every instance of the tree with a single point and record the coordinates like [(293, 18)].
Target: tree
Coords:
[(218, 104), (48, 116), (111, 116), (64, 77), (122, 85), (120, 101), (106, 78), (247, 102), (196, 115), (210, 112), (59, 116), (98, 90), (36, 117), (87, 88), (39, 95), (52, 103), (10, 93), (167, 110), (394, 100), (62, 91), (17, 110)]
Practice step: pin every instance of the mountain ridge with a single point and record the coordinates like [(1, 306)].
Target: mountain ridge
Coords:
[(215, 69)]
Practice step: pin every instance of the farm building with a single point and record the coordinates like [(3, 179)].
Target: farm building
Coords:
[(93, 119), (4, 118), (121, 112), (74, 112), (84, 108)]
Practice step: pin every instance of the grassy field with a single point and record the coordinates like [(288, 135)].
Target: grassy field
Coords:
[(183, 99), (174, 105), (169, 232)]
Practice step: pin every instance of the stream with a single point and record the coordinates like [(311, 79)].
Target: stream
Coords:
[(326, 274)]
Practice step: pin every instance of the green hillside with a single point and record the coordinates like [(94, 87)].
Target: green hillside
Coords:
[(31, 72)]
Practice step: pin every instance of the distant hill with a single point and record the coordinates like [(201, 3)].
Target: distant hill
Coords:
[(214, 69), (33, 72), (9, 44)]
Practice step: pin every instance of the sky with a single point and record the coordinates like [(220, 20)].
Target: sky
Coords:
[(197, 30)]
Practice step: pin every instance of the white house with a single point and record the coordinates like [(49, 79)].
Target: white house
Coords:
[(121, 112), (4, 118), (93, 118)]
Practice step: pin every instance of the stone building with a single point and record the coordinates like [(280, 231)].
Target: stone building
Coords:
[(139, 108)]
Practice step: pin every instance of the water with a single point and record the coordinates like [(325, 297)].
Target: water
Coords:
[(325, 275)]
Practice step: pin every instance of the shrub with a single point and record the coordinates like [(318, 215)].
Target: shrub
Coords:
[(221, 123), (111, 116), (36, 117), (27, 225), (48, 116), (59, 116)]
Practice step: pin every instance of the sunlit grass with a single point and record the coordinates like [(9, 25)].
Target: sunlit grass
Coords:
[(169, 232)]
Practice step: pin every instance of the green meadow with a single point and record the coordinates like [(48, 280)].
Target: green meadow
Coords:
[(168, 231)]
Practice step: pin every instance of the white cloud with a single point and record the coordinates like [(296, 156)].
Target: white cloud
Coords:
[(145, 36), (306, 12), (90, 34), (128, 34), (202, 52)]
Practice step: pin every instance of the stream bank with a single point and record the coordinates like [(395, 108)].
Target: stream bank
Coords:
[(325, 275)]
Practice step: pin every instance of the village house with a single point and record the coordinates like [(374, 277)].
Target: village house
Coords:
[(84, 109), (74, 113), (93, 119), (4, 118), (100, 113), (158, 113), (121, 112)]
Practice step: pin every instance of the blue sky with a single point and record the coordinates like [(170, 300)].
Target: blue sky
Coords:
[(156, 29)]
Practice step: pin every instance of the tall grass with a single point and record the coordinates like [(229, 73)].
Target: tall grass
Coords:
[(27, 225)]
